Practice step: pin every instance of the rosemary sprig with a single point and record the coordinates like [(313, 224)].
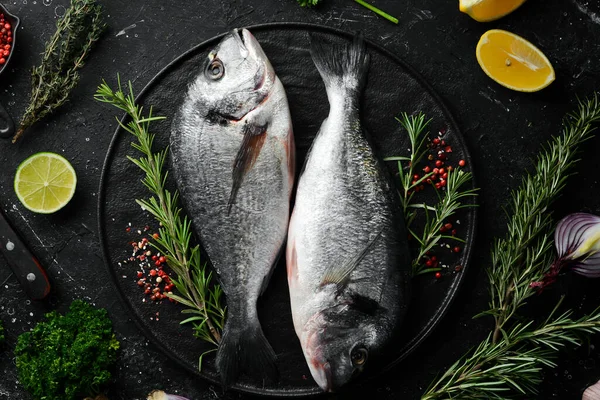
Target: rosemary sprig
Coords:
[(512, 366), (449, 201), (203, 300), (525, 254), (51, 82), (509, 362), (415, 127)]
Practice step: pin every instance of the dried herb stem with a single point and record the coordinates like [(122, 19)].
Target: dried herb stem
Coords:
[(53, 80)]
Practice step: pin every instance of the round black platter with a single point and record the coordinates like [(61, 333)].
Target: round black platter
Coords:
[(393, 87)]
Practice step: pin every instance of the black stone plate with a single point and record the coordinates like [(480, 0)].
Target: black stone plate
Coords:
[(393, 87)]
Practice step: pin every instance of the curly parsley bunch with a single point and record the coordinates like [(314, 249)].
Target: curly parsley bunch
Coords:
[(308, 3), (67, 357)]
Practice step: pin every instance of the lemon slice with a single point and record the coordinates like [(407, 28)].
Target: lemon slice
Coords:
[(45, 182), (488, 10), (513, 62)]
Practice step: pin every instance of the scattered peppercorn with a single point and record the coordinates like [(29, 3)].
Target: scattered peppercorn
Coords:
[(148, 266), (6, 38)]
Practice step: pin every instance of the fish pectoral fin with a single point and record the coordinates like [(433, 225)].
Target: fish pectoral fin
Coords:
[(252, 143), (339, 275)]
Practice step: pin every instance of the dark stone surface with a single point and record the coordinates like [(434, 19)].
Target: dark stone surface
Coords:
[(503, 129), (287, 46)]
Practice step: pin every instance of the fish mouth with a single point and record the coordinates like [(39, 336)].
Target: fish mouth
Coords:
[(319, 367), (241, 41), (321, 372)]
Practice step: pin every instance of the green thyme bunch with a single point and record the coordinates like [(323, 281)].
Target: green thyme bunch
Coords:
[(58, 73)]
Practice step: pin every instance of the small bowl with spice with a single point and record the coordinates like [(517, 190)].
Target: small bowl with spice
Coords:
[(8, 29)]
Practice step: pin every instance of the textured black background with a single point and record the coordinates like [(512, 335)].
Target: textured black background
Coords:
[(504, 131)]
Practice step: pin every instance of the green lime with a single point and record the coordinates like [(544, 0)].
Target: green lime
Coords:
[(45, 182)]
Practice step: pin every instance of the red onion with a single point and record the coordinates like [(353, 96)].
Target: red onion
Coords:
[(160, 395), (577, 239)]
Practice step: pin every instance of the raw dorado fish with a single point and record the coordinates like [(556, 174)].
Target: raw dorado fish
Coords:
[(232, 152), (347, 255)]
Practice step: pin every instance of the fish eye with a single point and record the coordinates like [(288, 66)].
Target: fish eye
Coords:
[(215, 70), (359, 356)]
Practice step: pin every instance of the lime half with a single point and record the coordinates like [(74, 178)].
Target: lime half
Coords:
[(45, 182)]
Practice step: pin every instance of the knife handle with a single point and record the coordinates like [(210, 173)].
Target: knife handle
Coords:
[(22, 262)]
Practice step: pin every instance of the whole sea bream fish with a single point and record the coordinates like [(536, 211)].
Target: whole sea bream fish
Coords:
[(232, 152), (347, 253)]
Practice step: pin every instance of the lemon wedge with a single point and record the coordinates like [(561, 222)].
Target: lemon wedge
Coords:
[(513, 62), (488, 10)]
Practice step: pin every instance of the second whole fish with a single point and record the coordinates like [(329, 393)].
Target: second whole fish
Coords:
[(347, 255)]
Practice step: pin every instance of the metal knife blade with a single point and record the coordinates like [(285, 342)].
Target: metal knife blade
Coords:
[(23, 263)]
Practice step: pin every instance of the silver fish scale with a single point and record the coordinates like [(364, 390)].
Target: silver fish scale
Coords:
[(243, 245), (343, 201)]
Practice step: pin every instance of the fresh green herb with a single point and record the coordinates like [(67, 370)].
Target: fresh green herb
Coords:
[(449, 202), (312, 3), (509, 362), (203, 299), (308, 3), (378, 11), (525, 254), (67, 357), (513, 365), (51, 82), (416, 128)]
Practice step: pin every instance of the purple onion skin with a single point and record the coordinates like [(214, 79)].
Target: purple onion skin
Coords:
[(571, 233), (160, 395)]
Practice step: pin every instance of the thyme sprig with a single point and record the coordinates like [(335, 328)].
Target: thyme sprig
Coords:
[(509, 362), (449, 201), (52, 81), (203, 299)]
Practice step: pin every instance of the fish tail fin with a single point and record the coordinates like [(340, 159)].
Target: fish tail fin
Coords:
[(341, 66), (244, 348)]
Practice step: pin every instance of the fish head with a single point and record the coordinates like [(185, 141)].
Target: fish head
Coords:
[(340, 343), (236, 77)]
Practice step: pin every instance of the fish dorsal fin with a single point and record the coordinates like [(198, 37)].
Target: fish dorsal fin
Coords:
[(339, 275), (252, 143)]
